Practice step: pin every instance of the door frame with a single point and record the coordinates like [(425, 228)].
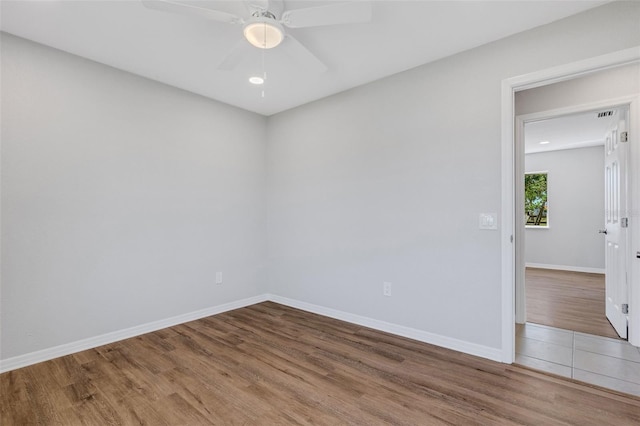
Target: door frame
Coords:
[(509, 161), (519, 155)]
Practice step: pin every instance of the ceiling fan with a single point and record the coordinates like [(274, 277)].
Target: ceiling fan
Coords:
[(265, 22)]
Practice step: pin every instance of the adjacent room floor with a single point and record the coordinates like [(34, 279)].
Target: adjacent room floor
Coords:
[(567, 300)]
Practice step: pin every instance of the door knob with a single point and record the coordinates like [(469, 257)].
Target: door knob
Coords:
[(602, 231)]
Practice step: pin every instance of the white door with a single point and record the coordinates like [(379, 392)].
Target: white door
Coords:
[(615, 194)]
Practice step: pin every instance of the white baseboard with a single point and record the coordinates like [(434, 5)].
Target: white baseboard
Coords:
[(494, 354), (25, 360), (565, 268), (93, 342)]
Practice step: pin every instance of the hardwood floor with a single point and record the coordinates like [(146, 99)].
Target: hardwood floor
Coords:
[(269, 364), (568, 300)]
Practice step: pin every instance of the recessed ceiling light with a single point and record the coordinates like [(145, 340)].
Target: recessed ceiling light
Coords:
[(544, 142), (256, 80)]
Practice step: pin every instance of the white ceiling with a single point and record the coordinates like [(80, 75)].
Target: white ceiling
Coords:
[(185, 51), (568, 132)]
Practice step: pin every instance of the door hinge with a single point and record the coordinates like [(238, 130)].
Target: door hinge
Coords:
[(624, 222), (624, 136), (511, 239), (625, 308)]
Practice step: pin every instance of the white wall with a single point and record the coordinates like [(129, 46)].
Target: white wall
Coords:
[(575, 185), (608, 84), (121, 198), (385, 183)]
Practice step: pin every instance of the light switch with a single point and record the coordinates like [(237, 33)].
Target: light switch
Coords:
[(488, 221)]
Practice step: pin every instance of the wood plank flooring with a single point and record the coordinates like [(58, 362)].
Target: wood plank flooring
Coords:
[(568, 300), (269, 364)]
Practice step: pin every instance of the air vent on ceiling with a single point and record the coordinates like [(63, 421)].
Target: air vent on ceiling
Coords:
[(605, 114)]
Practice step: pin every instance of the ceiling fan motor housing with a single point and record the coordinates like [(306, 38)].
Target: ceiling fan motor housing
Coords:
[(264, 31), (267, 20), (275, 8)]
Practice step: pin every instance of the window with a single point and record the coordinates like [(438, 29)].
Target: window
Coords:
[(535, 200)]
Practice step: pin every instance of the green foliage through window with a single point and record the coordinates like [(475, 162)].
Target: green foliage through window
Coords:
[(535, 199)]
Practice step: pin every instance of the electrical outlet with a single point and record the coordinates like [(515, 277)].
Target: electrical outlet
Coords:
[(218, 277), (386, 288)]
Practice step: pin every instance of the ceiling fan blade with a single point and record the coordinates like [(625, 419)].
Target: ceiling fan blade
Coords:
[(333, 14), (257, 4), (190, 10), (239, 51), (303, 56)]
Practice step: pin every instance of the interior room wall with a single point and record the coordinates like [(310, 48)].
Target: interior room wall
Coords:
[(121, 199), (386, 182), (575, 187), (607, 84)]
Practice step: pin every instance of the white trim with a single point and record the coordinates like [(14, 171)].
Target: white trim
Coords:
[(508, 225), (565, 268), (519, 225), (573, 70), (93, 342), (612, 103), (508, 88), (574, 145), (399, 330), (546, 172), (634, 225)]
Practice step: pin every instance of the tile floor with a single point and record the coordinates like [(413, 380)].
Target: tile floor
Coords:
[(610, 363)]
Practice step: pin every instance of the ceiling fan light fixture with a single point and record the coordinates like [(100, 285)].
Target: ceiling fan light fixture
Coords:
[(264, 33)]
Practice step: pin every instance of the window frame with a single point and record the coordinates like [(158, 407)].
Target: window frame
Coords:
[(546, 205)]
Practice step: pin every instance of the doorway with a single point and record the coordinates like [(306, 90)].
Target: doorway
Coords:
[(511, 165), (563, 282), (560, 350)]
